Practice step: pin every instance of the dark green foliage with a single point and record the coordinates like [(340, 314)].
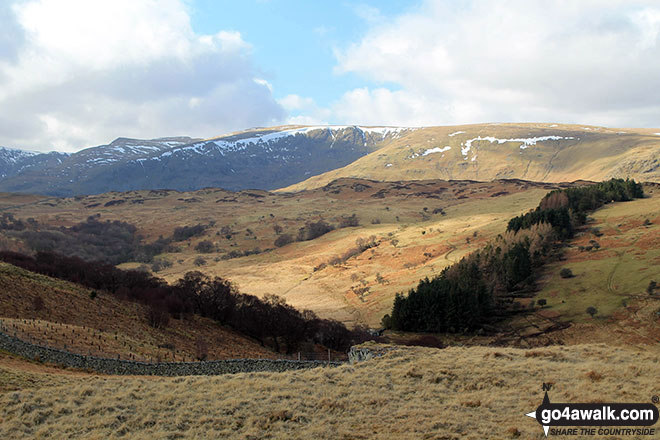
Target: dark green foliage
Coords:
[(457, 300), (283, 240), (110, 241), (313, 230), (591, 310), (185, 232), (38, 303), (386, 322), (205, 247), (465, 295), (238, 254), (566, 208), (9, 223), (199, 261), (558, 218), (517, 265), (93, 240), (160, 264), (426, 341), (651, 287), (347, 222), (271, 320), (566, 273)]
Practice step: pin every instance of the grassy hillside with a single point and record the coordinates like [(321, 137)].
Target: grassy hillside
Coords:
[(418, 228), (63, 315), (538, 152), (410, 393), (613, 260)]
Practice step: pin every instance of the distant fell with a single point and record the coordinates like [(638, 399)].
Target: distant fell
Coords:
[(540, 152), (294, 158), (263, 158)]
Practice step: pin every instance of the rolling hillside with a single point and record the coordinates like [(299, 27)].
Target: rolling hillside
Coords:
[(538, 152), (408, 230), (64, 315)]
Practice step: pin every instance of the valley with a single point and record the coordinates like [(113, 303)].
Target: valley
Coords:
[(411, 230)]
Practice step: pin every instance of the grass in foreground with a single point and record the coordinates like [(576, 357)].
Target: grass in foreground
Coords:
[(410, 393)]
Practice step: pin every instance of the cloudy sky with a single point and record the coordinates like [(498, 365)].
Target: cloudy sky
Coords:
[(77, 73)]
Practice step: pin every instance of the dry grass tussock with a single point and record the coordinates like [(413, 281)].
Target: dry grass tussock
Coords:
[(410, 393)]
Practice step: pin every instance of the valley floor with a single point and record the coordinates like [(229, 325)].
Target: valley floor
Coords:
[(409, 393)]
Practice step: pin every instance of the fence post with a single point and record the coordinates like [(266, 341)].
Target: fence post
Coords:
[(298, 355)]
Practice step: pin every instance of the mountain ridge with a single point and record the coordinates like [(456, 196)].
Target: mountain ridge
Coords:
[(299, 157), (264, 158), (539, 152)]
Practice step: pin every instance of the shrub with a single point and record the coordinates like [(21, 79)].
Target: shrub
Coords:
[(38, 303), (199, 261), (185, 232), (238, 254), (205, 247), (366, 243), (283, 240), (201, 349), (542, 302), (160, 264), (651, 287), (426, 341), (591, 310), (157, 317), (566, 273), (227, 232), (313, 230), (347, 222)]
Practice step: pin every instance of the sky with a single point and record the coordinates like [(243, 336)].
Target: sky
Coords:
[(79, 73)]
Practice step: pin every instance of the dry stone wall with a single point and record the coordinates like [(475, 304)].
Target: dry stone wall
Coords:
[(117, 366)]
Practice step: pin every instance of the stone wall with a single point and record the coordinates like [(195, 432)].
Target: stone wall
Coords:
[(116, 366)]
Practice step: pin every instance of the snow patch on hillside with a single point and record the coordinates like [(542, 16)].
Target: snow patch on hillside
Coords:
[(524, 142), (267, 140), (436, 150), (455, 133), (10, 155)]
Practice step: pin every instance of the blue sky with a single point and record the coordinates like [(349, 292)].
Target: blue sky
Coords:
[(78, 73), (294, 41)]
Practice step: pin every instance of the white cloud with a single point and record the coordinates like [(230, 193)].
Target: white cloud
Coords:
[(590, 61), (304, 110), (75, 73)]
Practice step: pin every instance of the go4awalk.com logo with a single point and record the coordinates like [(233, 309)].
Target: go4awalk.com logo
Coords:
[(616, 419)]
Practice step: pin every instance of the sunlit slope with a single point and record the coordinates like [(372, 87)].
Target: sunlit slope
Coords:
[(538, 152), (414, 230), (64, 315), (410, 393), (613, 261)]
